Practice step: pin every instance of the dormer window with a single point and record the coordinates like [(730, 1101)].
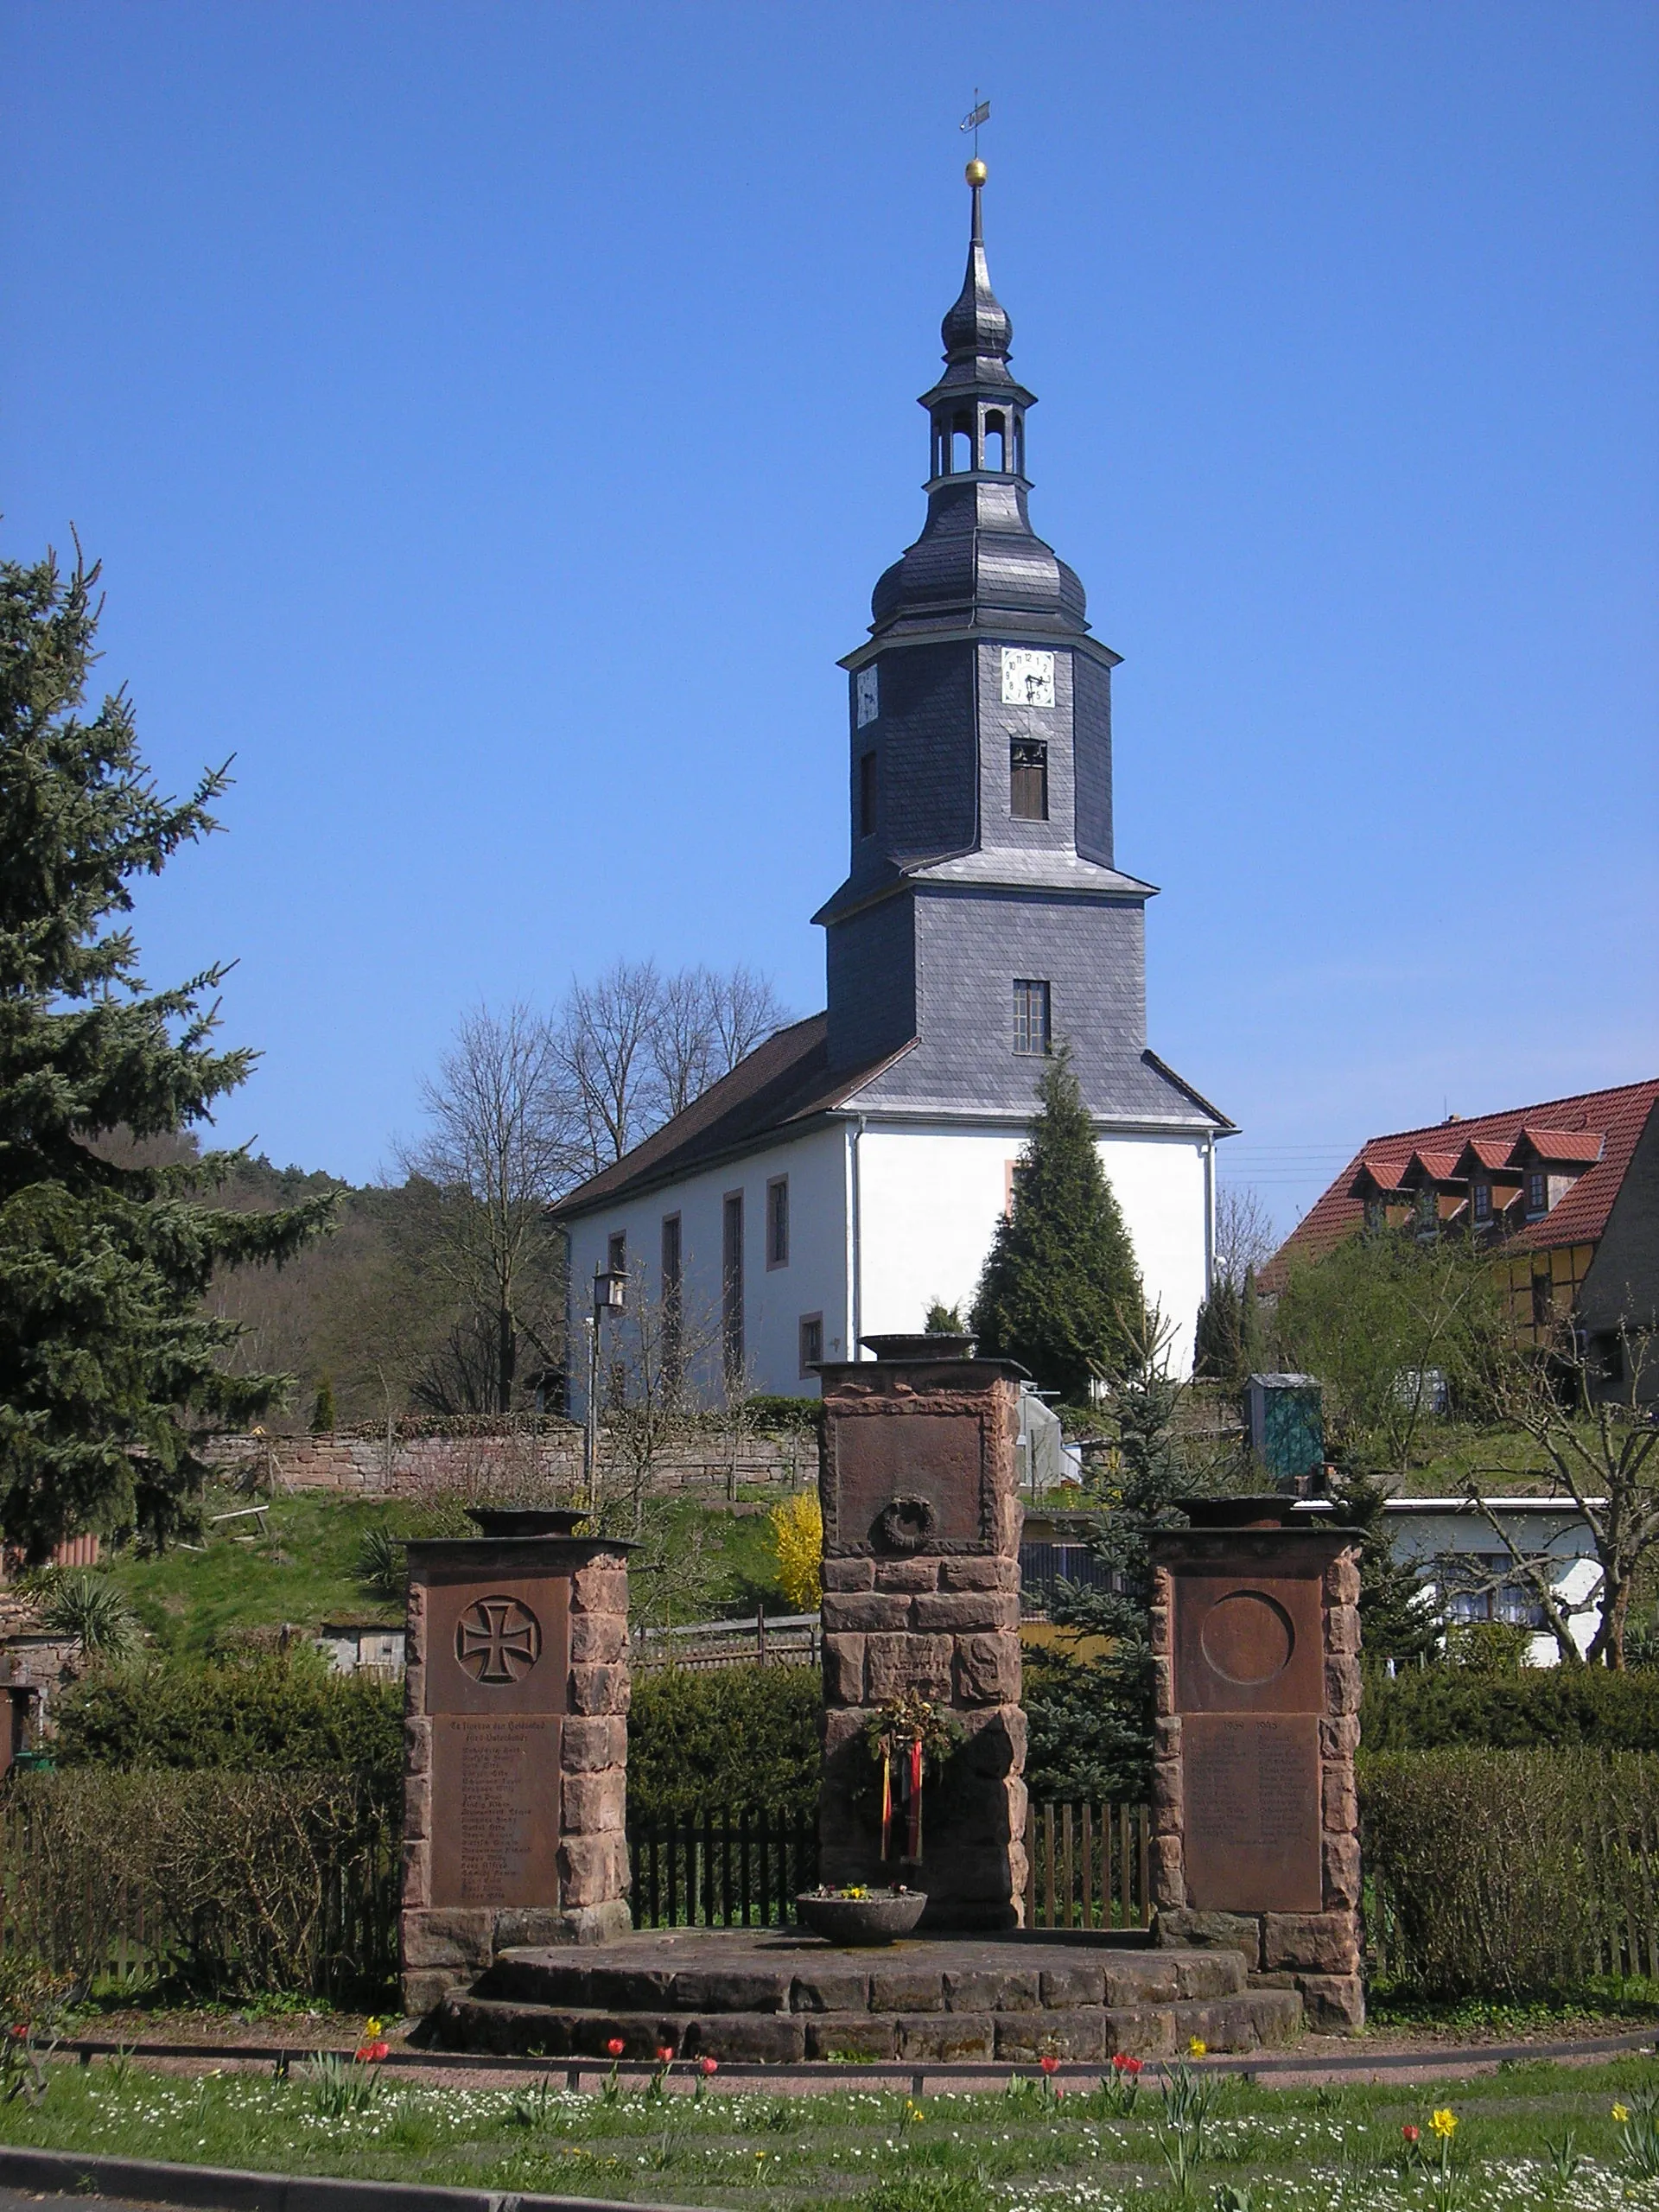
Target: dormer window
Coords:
[(1537, 1194), (1480, 1199), (1429, 1207), (1375, 1214)]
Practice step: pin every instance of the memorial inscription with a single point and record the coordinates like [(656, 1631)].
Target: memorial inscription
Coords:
[(500, 1778), (895, 1494), (1252, 1812)]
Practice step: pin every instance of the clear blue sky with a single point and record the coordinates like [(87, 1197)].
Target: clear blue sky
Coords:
[(492, 420)]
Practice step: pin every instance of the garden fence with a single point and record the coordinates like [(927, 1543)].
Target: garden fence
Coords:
[(1088, 1865)]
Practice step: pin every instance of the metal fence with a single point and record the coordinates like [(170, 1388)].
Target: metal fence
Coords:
[(721, 1870)]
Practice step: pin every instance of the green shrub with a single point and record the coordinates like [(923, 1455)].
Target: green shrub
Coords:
[(1425, 1708), (276, 1713), (727, 1737), (238, 1883), (1506, 1873)]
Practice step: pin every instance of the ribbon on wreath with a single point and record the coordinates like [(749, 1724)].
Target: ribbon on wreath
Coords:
[(914, 1847), (886, 1801)]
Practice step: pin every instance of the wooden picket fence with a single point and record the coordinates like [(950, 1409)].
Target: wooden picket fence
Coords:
[(1088, 1865), (721, 1870)]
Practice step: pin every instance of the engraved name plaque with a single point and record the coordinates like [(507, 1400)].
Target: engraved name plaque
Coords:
[(497, 1675), (1252, 1784)]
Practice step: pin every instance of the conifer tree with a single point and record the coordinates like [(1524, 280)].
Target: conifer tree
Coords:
[(1092, 1719), (1060, 1292), (107, 1357), (1217, 1349)]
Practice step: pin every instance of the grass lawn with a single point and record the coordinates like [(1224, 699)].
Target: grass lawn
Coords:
[(1528, 2135), (302, 1569)]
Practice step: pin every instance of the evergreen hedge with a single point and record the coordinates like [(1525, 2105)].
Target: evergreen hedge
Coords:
[(265, 1713), (726, 1737), (1429, 1708)]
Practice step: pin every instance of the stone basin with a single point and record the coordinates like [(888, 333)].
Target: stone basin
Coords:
[(861, 1921)]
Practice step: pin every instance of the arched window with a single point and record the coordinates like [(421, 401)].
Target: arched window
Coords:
[(996, 441), (1019, 443), (941, 446), (961, 443)]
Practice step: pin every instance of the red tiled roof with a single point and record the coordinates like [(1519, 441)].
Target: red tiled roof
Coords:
[(1482, 1152), (1438, 1166), (1616, 1117)]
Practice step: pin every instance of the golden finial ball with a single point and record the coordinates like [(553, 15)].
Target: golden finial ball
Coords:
[(977, 172)]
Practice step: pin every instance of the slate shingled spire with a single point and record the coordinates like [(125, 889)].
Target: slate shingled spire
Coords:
[(978, 560)]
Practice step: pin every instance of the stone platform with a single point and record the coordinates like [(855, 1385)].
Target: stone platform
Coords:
[(771, 1996)]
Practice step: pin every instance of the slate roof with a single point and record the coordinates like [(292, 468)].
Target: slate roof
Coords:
[(784, 1082), (1600, 1126)]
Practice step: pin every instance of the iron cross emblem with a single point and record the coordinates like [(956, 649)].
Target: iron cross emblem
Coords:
[(497, 1640)]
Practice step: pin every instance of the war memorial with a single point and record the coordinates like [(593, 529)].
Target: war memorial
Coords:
[(516, 1927)]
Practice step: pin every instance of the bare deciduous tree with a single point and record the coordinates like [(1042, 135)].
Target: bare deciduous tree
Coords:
[(1244, 1231), (743, 1010), (605, 1047), (501, 1144), (1602, 1447)]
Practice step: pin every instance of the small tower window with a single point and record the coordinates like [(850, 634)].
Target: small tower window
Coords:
[(996, 441), (867, 795), (1030, 1010), (962, 444), (1019, 444), (1028, 779)]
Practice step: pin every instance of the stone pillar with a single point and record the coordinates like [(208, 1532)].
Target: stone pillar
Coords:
[(515, 1745), (1256, 1822), (921, 1583)]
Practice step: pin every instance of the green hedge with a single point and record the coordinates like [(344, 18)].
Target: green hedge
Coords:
[(271, 1713), (1508, 1873), (724, 1737), (1427, 1708)]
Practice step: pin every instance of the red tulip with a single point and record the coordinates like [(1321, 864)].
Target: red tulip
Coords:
[(708, 2065), (1412, 2134), (1124, 2063), (664, 2053), (615, 2046), (1049, 2065)]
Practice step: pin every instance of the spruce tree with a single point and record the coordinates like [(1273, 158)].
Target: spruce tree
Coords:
[(1060, 1292), (108, 1361), (1218, 1348), (1092, 1719)]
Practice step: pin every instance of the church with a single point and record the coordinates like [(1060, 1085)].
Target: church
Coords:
[(851, 1171)]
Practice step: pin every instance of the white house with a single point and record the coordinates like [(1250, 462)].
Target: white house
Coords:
[(1425, 1529), (852, 1169)]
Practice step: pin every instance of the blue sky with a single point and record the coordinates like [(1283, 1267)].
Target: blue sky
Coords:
[(492, 420)]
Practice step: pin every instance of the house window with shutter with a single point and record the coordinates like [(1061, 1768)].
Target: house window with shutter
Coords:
[(731, 1285)]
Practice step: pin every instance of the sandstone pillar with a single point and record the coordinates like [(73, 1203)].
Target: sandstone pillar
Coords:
[(921, 1582), (515, 1745), (1256, 1643)]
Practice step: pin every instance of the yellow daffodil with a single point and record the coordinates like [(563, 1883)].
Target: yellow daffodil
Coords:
[(1196, 2048), (1444, 2123), (1621, 2113)]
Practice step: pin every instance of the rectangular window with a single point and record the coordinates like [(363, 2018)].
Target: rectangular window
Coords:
[(867, 795), (1031, 1030), (778, 1222), (731, 1284), (1482, 1196), (1028, 779), (812, 1342), (616, 1253), (1537, 1194), (671, 1301)]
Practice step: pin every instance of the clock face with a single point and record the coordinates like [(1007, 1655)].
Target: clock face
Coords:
[(1028, 678), (869, 698)]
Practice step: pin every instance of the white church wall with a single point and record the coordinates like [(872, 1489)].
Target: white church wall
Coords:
[(932, 1195), (775, 1299)]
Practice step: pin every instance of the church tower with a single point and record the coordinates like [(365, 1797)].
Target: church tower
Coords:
[(983, 918)]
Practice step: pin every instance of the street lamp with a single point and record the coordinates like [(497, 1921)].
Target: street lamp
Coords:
[(608, 1285)]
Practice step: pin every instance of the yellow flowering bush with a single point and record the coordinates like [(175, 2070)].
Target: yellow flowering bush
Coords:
[(798, 1541)]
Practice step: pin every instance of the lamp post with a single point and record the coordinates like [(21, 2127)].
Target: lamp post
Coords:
[(609, 1284)]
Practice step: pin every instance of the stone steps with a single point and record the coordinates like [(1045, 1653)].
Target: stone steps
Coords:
[(771, 1997), (1259, 2019)]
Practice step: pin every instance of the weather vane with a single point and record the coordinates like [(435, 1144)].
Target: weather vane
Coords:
[(980, 113)]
